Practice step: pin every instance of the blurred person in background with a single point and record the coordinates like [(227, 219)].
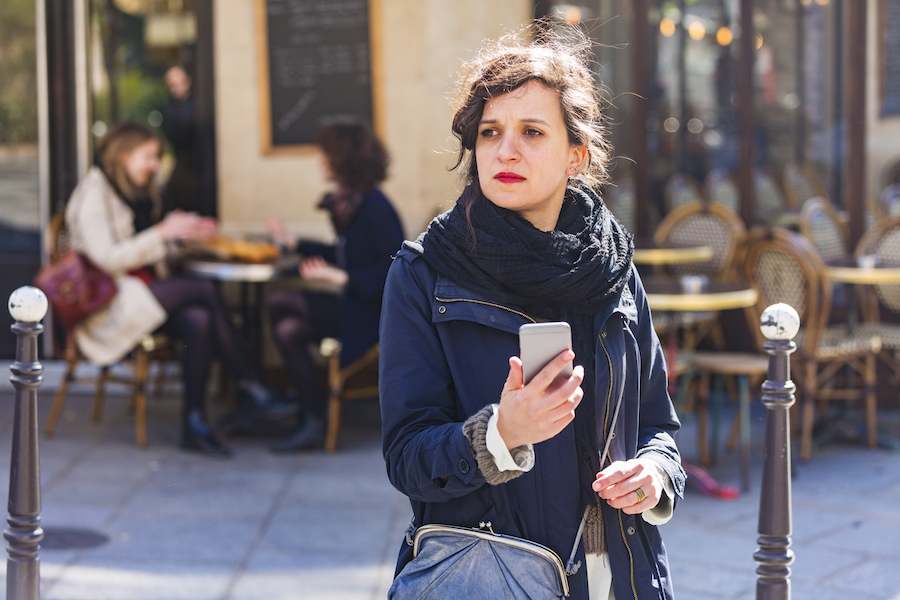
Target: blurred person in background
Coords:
[(180, 128), (369, 233), (113, 216)]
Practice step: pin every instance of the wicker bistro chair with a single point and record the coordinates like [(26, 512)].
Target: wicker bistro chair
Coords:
[(682, 189), (883, 241), (152, 347), (785, 267), (721, 189), (770, 201), (802, 183), (703, 224), (700, 224), (358, 380), (889, 201), (820, 224)]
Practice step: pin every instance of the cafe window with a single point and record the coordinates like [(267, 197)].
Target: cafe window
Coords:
[(691, 66), (20, 219)]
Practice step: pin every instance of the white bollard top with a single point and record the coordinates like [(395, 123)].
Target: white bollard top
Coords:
[(28, 304), (779, 322)]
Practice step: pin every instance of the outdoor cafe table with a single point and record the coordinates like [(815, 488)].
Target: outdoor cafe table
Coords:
[(847, 270), (666, 294), (654, 255)]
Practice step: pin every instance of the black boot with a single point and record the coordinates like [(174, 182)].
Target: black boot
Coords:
[(196, 435), (257, 400), (309, 436)]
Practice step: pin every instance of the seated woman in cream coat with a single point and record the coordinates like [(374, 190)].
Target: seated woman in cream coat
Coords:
[(113, 217)]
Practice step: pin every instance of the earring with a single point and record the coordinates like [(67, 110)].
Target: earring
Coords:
[(571, 170)]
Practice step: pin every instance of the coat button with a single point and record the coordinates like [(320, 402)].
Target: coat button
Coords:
[(442, 309), (464, 465), (631, 531)]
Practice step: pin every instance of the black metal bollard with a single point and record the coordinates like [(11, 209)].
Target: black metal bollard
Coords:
[(779, 323), (27, 305)]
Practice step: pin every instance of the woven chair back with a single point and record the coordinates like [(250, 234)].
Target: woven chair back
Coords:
[(702, 224), (820, 224), (722, 189), (784, 266), (884, 242), (770, 200), (889, 201), (682, 189), (802, 183)]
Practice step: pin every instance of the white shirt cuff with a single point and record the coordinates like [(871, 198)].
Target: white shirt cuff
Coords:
[(662, 512), (521, 458)]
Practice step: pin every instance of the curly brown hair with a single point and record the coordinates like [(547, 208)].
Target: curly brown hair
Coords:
[(554, 54), (356, 156)]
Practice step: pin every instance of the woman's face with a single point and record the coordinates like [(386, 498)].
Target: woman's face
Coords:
[(142, 162), (523, 153)]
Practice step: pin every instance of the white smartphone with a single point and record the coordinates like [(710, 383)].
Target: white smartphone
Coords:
[(539, 343)]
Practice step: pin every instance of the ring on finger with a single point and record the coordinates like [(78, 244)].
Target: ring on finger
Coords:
[(640, 495)]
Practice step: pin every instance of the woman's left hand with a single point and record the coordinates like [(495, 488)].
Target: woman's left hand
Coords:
[(316, 268), (618, 482)]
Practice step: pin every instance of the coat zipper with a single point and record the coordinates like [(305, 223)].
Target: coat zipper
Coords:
[(608, 404), (609, 392), (521, 314)]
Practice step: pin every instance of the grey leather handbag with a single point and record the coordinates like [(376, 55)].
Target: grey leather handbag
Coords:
[(474, 564), (458, 562)]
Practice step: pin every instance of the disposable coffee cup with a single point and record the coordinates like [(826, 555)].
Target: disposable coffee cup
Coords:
[(694, 284), (867, 261)]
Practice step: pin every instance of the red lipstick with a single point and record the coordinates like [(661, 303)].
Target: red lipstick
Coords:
[(506, 177)]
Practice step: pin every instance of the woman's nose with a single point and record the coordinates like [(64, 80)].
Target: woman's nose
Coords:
[(509, 149)]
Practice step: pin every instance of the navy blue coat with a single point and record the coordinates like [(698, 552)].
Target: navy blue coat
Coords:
[(444, 357), (364, 252)]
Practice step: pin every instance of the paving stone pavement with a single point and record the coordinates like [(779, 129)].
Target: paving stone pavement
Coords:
[(309, 526)]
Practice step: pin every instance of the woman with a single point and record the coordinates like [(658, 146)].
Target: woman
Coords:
[(112, 217), (368, 232), (530, 240)]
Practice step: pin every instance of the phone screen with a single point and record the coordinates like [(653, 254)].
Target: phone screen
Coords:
[(539, 343)]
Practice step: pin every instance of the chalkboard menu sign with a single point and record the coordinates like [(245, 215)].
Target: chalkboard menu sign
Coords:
[(315, 66), (890, 57)]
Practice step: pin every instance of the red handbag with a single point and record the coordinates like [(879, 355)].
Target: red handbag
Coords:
[(76, 287)]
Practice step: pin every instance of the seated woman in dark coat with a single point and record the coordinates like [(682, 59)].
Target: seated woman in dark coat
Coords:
[(369, 233)]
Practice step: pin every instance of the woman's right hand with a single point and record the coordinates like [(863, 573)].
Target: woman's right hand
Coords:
[(533, 413), (187, 226)]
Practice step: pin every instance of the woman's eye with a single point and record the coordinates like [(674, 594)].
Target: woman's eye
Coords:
[(532, 132), (487, 133)]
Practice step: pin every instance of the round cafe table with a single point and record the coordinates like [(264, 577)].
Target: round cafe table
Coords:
[(251, 278), (668, 294), (653, 255), (847, 270)]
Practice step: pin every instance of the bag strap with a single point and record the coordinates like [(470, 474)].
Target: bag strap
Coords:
[(572, 566)]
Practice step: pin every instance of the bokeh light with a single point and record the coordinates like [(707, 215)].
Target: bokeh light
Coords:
[(724, 36), (697, 30), (667, 27)]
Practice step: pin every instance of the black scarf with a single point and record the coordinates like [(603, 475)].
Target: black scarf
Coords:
[(569, 274)]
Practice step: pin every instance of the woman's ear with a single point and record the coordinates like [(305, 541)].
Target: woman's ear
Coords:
[(579, 153)]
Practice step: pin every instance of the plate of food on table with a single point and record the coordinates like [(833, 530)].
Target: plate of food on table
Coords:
[(231, 249)]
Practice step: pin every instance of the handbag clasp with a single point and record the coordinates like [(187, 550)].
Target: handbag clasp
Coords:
[(487, 526)]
